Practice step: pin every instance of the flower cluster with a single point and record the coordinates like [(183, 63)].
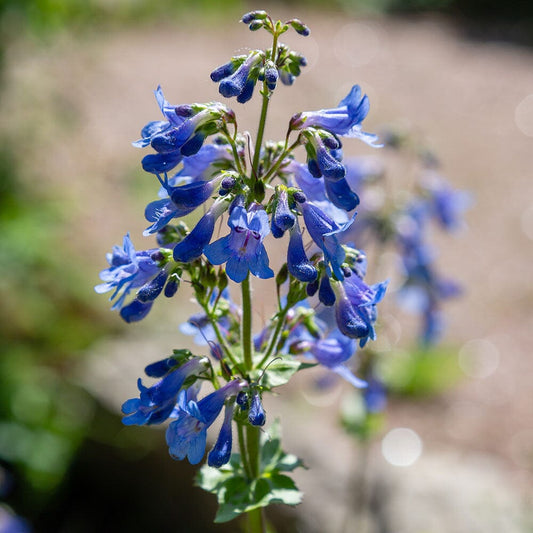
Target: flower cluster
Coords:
[(260, 198)]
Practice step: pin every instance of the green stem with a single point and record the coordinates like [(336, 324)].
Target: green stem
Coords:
[(256, 523), (246, 328), (275, 337), (223, 343), (242, 448), (253, 446), (275, 167), (260, 133)]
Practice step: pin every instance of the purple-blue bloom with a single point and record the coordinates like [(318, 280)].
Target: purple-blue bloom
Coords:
[(181, 134), (282, 218), (186, 436), (156, 403), (194, 244), (128, 270), (323, 156), (221, 451), (344, 120), (243, 250), (297, 262), (323, 231), (256, 413), (355, 307), (333, 351), (241, 81), (446, 204)]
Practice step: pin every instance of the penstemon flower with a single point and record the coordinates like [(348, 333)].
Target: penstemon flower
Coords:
[(274, 205)]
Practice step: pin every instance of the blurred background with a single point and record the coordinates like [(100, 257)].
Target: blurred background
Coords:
[(76, 87)]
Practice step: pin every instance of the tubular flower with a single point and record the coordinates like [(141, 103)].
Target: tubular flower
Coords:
[(221, 452), (323, 231), (128, 270), (195, 242), (256, 414), (243, 250), (181, 134), (297, 262), (355, 307), (186, 436), (239, 80), (182, 200), (282, 217), (333, 351), (344, 120), (323, 155), (332, 196), (156, 403)]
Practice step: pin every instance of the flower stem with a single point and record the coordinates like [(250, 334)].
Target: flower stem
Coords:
[(246, 328), (242, 448), (260, 133), (275, 336), (253, 445), (256, 523)]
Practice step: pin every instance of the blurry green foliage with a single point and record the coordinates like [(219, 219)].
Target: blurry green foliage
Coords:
[(357, 420), (49, 16), (420, 371), (46, 320)]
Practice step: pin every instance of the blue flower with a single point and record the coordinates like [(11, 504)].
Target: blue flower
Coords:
[(239, 80), (323, 231), (446, 204), (243, 250), (181, 134), (333, 351), (221, 451), (256, 413), (297, 262), (282, 217), (316, 191), (341, 195), (186, 436), (194, 244), (375, 395), (323, 154), (200, 325), (344, 120), (156, 403), (355, 307), (128, 270)]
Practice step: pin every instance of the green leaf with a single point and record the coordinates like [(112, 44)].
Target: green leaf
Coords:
[(280, 372), (236, 494), (284, 490)]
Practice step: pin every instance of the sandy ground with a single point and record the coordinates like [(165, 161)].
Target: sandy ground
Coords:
[(78, 103)]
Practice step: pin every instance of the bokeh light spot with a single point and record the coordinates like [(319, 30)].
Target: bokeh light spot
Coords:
[(479, 358), (401, 447), (523, 115)]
